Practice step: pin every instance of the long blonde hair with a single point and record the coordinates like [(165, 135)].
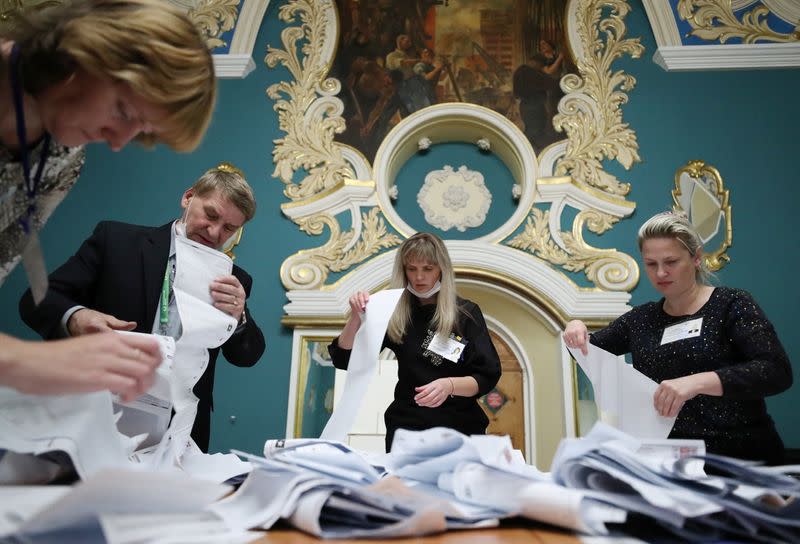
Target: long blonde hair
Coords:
[(429, 248), (677, 227), (149, 44)]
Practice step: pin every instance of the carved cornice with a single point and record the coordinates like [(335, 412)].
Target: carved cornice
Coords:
[(714, 20)]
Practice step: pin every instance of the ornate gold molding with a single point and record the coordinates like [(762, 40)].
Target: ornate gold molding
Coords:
[(591, 113), (310, 114), (715, 20), (608, 268), (309, 269), (212, 17)]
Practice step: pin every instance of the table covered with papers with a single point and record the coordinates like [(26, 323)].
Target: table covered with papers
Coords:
[(437, 481)]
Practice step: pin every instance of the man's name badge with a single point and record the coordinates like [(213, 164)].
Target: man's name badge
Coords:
[(449, 348), (682, 331)]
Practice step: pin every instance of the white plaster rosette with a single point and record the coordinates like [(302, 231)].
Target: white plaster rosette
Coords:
[(457, 199)]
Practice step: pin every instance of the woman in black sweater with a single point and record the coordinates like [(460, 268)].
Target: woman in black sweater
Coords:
[(712, 350), (446, 359)]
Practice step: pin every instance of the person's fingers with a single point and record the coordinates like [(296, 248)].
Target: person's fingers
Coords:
[(122, 385), (149, 346), (120, 325)]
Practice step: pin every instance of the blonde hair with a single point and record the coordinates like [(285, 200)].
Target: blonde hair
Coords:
[(148, 44), (230, 182), (429, 248), (676, 226)]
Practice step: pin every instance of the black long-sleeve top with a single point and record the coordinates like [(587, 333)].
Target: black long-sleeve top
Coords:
[(417, 366), (736, 341)]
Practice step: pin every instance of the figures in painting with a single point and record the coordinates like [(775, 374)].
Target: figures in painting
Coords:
[(398, 57)]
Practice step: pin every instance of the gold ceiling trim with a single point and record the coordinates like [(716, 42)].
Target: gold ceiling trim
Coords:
[(212, 17), (714, 20)]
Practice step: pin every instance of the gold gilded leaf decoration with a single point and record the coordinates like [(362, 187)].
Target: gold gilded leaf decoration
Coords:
[(714, 20), (590, 114), (214, 18), (309, 113)]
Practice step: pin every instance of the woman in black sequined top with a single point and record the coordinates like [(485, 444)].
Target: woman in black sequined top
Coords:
[(445, 357), (712, 350)]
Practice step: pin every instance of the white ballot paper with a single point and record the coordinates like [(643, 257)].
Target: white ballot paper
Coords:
[(363, 361), (624, 396), (82, 426), (150, 413), (203, 327), (113, 492)]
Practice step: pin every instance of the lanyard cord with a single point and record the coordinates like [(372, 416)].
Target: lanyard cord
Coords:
[(164, 313), (31, 186)]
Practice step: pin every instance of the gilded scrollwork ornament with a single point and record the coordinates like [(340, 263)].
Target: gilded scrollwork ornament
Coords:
[(607, 268), (590, 114), (309, 113), (212, 17), (309, 269), (715, 20)]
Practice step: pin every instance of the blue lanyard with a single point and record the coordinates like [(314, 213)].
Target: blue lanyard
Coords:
[(31, 186)]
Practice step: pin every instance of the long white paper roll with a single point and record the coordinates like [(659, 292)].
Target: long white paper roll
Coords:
[(363, 361)]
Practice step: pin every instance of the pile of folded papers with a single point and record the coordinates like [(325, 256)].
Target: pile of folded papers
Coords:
[(606, 483)]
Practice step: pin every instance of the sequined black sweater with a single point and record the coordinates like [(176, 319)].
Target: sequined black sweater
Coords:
[(738, 342), (418, 366)]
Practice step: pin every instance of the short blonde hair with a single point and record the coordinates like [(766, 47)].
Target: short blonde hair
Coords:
[(149, 44), (230, 182), (429, 248), (676, 226)]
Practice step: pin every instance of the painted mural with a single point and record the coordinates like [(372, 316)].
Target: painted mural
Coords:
[(397, 57)]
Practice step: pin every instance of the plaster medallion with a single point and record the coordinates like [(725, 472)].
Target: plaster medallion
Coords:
[(457, 199)]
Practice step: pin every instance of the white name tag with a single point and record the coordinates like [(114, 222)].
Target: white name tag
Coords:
[(682, 331), (449, 348)]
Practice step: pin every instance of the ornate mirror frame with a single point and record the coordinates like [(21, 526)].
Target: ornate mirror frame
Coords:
[(709, 180)]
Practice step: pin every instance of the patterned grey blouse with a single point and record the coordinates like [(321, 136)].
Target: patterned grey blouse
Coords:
[(60, 173)]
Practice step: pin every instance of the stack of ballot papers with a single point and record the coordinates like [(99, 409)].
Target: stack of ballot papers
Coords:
[(607, 483), (119, 506)]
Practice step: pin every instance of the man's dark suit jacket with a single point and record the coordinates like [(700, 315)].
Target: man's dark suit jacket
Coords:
[(119, 271)]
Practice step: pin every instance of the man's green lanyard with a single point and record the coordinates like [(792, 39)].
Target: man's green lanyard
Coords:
[(164, 313)]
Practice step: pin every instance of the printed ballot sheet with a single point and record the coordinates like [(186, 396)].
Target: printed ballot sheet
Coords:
[(196, 267), (148, 416), (624, 396), (203, 327), (363, 361)]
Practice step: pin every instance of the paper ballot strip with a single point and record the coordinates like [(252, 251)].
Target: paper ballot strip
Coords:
[(119, 491), (363, 360), (624, 396)]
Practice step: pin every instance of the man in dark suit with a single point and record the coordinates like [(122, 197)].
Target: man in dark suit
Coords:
[(119, 276)]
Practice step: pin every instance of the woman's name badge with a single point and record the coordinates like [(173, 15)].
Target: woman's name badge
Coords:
[(682, 331), (449, 348)]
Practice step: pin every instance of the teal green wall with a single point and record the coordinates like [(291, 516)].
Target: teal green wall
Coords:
[(743, 123)]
